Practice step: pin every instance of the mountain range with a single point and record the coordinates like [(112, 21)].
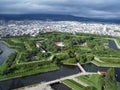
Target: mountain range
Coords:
[(55, 17)]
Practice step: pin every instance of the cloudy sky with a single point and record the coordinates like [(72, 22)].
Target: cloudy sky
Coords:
[(84, 8)]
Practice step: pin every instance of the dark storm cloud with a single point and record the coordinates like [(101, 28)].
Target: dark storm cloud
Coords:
[(86, 8)]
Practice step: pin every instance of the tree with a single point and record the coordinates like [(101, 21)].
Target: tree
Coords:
[(89, 88), (71, 54), (110, 79), (54, 59), (101, 81), (111, 75), (4, 69)]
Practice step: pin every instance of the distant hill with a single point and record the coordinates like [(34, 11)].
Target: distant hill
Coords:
[(54, 17)]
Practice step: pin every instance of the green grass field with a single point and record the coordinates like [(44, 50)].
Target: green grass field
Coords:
[(91, 80), (106, 64), (73, 85), (94, 81)]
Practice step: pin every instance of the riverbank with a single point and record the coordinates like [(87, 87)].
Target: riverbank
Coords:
[(105, 64), (47, 68), (97, 63)]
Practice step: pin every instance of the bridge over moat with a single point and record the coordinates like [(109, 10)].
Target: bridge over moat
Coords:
[(69, 77), (83, 72)]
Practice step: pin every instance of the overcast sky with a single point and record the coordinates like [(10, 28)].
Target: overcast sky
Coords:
[(84, 8)]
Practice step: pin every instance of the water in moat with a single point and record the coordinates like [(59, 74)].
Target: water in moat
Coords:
[(113, 45), (34, 79), (60, 86), (6, 52)]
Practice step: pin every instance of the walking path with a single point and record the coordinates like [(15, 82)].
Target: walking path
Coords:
[(81, 68), (97, 59)]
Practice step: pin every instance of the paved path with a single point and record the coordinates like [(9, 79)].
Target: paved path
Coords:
[(81, 68), (97, 59), (73, 76)]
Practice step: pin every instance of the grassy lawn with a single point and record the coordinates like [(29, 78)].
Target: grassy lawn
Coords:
[(91, 80), (106, 64), (85, 48), (110, 59), (15, 40), (25, 63), (18, 57), (69, 61), (73, 85), (27, 46), (22, 73)]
